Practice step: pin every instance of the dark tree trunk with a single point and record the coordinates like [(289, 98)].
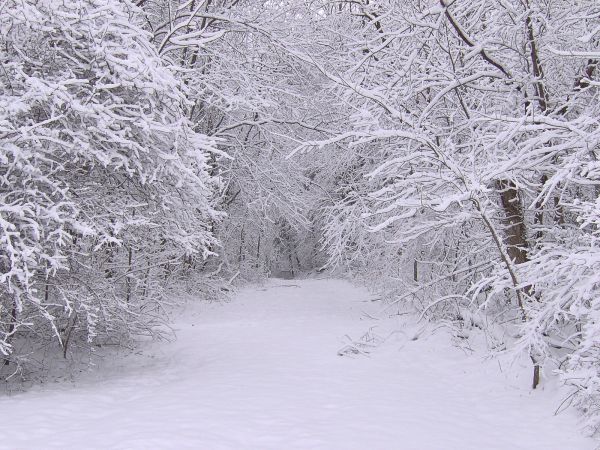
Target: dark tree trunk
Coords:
[(11, 327), (514, 222)]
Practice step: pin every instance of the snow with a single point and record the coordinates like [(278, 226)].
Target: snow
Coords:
[(263, 372)]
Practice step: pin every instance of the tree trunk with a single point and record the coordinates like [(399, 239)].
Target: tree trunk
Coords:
[(11, 327), (539, 210), (514, 222), (128, 275)]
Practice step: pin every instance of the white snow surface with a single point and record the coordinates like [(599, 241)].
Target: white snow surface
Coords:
[(263, 372)]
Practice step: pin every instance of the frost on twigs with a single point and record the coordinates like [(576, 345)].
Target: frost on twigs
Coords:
[(104, 185), (467, 182)]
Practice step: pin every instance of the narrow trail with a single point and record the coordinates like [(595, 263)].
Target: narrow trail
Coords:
[(262, 372)]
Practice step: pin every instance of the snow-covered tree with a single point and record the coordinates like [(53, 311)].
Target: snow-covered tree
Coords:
[(104, 181), (462, 119)]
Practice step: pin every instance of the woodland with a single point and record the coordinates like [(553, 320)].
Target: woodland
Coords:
[(444, 153)]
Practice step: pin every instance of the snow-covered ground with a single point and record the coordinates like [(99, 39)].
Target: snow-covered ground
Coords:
[(263, 372)]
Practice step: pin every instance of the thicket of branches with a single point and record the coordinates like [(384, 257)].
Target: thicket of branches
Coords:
[(446, 150), (470, 175), (106, 192)]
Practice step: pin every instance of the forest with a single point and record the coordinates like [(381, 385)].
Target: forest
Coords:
[(443, 153)]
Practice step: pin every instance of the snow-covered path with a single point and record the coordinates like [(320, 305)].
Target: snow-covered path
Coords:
[(262, 372)]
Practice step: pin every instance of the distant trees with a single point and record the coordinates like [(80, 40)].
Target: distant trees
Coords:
[(252, 94)]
